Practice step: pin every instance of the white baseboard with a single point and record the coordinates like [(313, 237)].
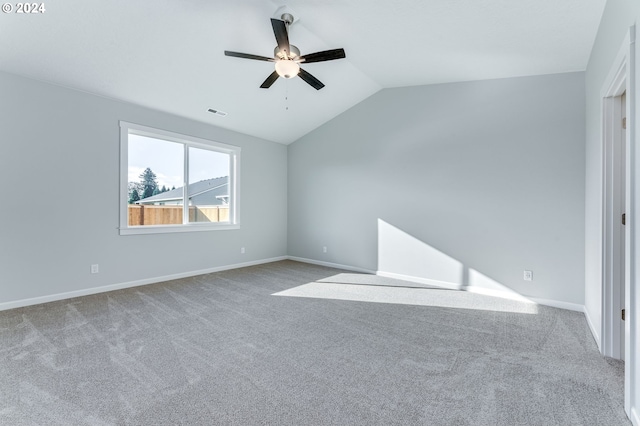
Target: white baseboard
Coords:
[(331, 265), (434, 283), (102, 289), (635, 419), (594, 331)]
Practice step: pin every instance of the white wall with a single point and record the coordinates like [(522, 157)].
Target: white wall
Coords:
[(618, 16), (482, 179), (59, 171)]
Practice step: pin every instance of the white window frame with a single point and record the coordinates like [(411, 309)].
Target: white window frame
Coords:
[(188, 142)]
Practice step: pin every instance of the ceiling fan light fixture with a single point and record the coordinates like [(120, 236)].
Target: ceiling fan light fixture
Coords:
[(287, 68)]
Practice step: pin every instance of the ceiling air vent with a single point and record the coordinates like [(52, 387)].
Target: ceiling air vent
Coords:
[(217, 112)]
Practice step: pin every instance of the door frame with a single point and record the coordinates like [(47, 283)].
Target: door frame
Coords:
[(622, 77), (612, 281)]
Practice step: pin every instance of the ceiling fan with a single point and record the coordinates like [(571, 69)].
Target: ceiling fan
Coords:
[(287, 56)]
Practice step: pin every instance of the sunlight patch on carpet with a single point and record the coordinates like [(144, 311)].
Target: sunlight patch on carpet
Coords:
[(441, 298)]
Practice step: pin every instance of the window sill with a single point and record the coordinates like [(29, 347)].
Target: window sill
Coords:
[(169, 229)]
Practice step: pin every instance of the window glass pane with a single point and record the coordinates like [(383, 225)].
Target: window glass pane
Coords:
[(155, 181), (208, 188)]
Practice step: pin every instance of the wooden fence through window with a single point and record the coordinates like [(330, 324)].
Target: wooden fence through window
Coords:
[(172, 215)]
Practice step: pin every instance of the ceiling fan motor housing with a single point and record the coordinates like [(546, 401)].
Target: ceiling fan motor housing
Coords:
[(294, 52)]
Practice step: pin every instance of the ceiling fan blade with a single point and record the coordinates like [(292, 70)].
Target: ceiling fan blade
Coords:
[(313, 82), (326, 55), (270, 80), (280, 31), (248, 56)]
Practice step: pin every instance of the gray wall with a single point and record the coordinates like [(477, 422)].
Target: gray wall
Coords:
[(59, 169), (618, 16), (482, 179), (478, 181)]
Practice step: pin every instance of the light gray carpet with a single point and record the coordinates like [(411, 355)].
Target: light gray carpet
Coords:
[(222, 349)]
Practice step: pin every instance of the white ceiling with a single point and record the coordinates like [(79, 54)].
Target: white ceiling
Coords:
[(168, 54)]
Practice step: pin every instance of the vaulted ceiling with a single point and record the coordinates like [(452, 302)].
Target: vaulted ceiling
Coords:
[(168, 55)]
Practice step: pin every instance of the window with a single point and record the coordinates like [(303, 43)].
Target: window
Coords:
[(176, 183)]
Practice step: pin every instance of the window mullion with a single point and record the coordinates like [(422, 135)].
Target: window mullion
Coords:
[(232, 189), (185, 186)]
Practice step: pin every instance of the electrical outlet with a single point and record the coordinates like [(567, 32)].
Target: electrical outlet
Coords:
[(95, 268), (528, 275), (324, 249), (242, 250)]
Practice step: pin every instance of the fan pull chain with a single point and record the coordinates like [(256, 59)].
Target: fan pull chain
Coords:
[(286, 97)]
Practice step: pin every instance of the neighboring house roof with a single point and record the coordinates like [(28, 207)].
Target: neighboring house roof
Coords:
[(210, 192)]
